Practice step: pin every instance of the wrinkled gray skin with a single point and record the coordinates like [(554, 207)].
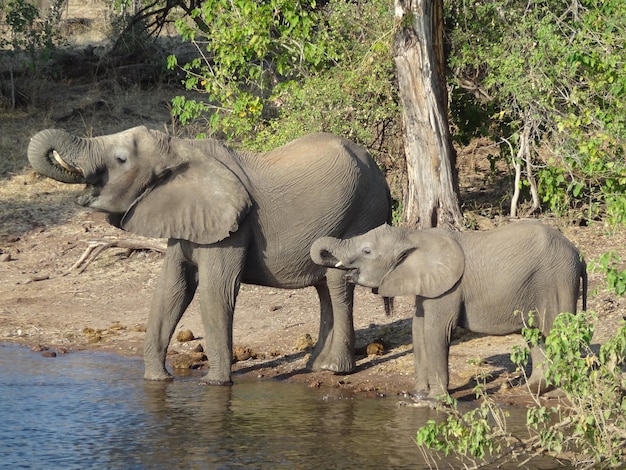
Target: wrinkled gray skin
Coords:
[(476, 280), (229, 217)]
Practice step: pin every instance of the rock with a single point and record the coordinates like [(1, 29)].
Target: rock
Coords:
[(94, 335), (39, 348), (304, 343), (4, 257), (182, 361), (49, 354), (116, 327), (184, 335), (375, 349), (243, 353), (198, 357)]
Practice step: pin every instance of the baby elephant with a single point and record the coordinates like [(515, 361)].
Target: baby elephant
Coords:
[(486, 282)]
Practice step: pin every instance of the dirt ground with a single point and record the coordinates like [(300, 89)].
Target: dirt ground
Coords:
[(48, 303)]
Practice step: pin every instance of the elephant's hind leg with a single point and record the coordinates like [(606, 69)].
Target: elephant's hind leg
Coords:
[(563, 299), (537, 380), (335, 345), (174, 292)]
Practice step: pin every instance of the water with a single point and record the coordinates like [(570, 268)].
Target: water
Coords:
[(88, 410)]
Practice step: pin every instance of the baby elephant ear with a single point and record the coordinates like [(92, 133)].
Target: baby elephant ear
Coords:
[(431, 265), (202, 202)]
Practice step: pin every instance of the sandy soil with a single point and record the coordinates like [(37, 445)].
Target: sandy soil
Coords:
[(47, 303)]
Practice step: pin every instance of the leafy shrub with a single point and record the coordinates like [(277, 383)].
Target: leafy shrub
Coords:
[(588, 427), (247, 51), (324, 68), (26, 29), (608, 263), (555, 69)]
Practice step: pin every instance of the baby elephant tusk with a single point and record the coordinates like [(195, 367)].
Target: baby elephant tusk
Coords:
[(339, 264)]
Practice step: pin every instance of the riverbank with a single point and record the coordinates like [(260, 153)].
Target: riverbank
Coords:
[(47, 303)]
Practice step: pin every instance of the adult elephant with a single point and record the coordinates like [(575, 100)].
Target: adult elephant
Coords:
[(487, 282), (229, 217)]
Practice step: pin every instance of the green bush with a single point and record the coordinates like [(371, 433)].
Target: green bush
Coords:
[(588, 427), (557, 69), (324, 68), (247, 52), (615, 278), (24, 29)]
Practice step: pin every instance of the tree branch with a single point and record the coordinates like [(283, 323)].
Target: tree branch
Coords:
[(95, 247)]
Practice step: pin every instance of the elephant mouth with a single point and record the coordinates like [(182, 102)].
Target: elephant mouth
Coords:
[(352, 276), (89, 196), (91, 192)]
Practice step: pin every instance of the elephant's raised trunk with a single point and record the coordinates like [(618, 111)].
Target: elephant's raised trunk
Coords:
[(52, 153), (322, 252)]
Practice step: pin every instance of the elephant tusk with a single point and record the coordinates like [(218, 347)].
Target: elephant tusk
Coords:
[(339, 264), (62, 162)]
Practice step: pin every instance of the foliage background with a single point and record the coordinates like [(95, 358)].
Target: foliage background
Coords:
[(558, 70), (545, 82)]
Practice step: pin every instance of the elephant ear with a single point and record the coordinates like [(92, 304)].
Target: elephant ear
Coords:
[(429, 266), (203, 202)]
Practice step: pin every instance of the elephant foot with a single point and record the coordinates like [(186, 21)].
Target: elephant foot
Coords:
[(419, 399), (420, 395), (163, 376), (339, 364), (424, 402), (219, 383), (538, 386), (216, 379)]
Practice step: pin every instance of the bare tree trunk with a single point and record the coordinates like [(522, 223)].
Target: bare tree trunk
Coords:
[(524, 155), (432, 195)]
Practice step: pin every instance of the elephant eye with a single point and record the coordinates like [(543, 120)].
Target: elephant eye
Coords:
[(366, 250), (121, 159)]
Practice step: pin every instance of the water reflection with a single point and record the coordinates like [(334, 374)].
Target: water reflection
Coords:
[(269, 425), (86, 410)]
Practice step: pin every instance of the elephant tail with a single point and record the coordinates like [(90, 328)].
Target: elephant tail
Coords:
[(583, 275), (388, 301)]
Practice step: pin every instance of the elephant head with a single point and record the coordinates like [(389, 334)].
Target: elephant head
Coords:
[(148, 183), (396, 261)]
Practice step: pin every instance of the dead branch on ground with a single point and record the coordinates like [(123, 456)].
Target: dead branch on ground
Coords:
[(95, 247)]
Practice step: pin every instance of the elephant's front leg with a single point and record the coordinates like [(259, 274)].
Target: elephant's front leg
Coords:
[(441, 315), (335, 345), (174, 292), (220, 267), (420, 360)]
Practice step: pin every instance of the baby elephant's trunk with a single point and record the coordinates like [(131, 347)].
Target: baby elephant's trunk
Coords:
[(322, 252)]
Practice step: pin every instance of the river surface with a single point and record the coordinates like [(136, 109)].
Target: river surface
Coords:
[(92, 410)]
